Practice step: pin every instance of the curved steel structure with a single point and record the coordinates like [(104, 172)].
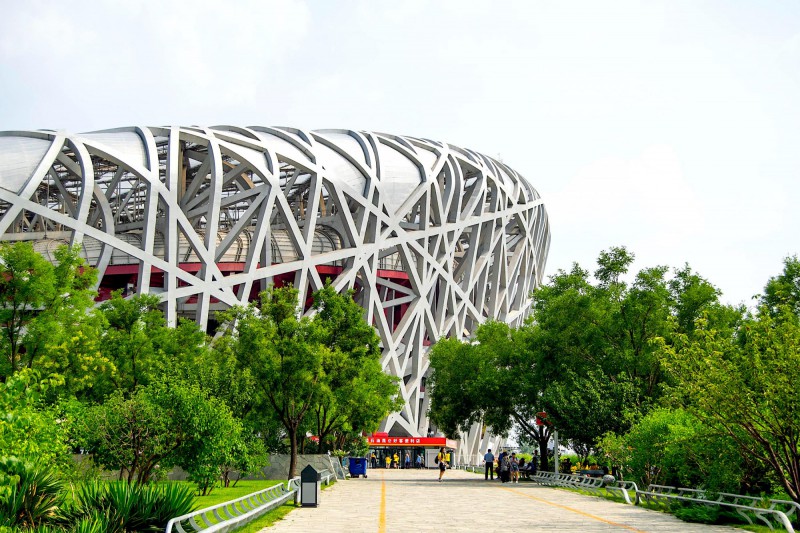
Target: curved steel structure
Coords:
[(434, 238)]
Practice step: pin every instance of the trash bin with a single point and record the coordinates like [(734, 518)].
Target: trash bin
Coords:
[(358, 466), (310, 481)]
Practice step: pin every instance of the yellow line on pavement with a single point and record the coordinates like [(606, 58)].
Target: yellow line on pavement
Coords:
[(382, 515), (617, 524)]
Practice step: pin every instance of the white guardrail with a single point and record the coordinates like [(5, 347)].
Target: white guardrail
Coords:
[(229, 516), (767, 511), (764, 510), (596, 484)]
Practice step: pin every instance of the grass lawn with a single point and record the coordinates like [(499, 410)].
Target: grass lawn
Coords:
[(243, 488)]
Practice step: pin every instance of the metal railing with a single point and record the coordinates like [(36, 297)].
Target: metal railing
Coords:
[(326, 476), (230, 515), (595, 484), (469, 468), (770, 512), (337, 467)]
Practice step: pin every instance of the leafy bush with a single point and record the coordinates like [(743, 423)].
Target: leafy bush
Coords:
[(159, 426), (673, 447), (28, 431), (122, 507), (702, 514)]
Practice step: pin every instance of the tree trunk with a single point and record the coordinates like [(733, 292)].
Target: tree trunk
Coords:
[(543, 450), (323, 436), (293, 452)]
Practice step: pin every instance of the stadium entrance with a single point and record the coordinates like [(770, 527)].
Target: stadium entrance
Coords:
[(406, 452)]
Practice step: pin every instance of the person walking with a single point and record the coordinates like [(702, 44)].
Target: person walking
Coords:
[(407, 462), (419, 460), (388, 461), (441, 459), (488, 458)]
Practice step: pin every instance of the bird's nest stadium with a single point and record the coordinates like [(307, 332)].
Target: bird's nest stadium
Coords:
[(435, 239)]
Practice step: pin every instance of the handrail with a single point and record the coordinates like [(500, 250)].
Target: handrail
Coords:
[(725, 499), (465, 467), (293, 485), (337, 467), (236, 512), (579, 481), (792, 507), (778, 510), (326, 476)]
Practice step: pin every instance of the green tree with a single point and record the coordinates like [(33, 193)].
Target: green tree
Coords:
[(248, 457), (44, 307), (285, 355), (28, 430), (140, 345), (582, 404), (208, 457), (783, 290), (586, 358), (455, 396), (673, 447), (355, 394), (745, 386), (604, 327), (159, 426), (490, 380), (595, 340)]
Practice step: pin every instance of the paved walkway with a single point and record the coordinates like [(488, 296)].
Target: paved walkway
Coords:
[(403, 501)]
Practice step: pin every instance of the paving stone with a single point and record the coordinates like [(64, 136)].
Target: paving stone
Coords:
[(413, 500)]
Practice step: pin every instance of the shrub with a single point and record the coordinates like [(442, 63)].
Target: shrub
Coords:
[(672, 447), (123, 507), (702, 514), (34, 496)]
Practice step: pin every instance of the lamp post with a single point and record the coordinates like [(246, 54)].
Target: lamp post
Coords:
[(555, 451)]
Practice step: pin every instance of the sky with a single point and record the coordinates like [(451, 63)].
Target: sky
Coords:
[(669, 127)]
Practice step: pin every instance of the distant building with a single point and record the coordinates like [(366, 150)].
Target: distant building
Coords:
[(434, 238)]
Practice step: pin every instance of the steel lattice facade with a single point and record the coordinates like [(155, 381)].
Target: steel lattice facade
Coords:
[(435, 239)]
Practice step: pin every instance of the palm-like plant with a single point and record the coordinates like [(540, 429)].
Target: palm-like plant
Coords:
[(135, 507), (35, 495)]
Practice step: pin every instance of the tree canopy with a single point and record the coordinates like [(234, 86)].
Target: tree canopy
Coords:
[(745, 386), (586, 358), (43, 311), (326, 364)]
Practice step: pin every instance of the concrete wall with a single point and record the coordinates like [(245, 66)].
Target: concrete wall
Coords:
[(279, 464), (278, 467)]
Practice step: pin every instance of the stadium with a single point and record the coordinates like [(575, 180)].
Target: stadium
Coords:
[(433, 238)]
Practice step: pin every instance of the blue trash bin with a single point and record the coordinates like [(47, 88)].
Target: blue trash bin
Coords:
[(358, 466)]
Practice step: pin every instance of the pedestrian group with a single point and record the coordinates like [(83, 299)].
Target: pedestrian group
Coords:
[(507, 466)]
